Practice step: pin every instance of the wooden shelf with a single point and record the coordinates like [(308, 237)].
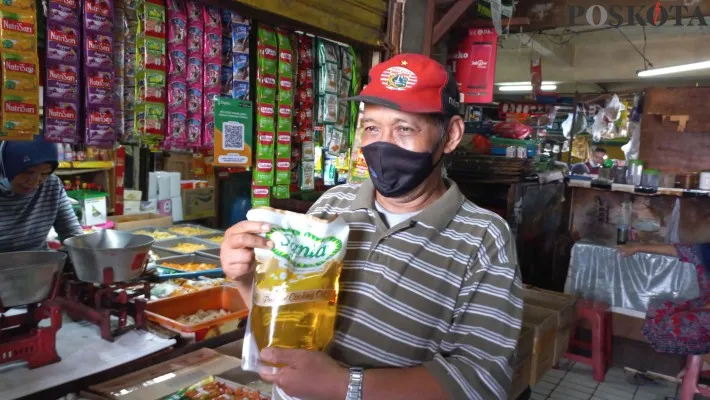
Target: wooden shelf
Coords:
[(100, 165)]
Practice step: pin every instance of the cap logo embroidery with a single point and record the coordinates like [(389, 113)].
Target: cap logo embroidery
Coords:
[(398, 78)]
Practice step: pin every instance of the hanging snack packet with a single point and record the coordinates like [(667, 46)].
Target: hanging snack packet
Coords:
[(18, 31), (267, 53), (296, 281), (307, 175), (100, 127), (283, 171), (62, 42), (283, 144), (264, 172), (61, 122), (282, 192), (265, 144), (260, 196), (285, 67)]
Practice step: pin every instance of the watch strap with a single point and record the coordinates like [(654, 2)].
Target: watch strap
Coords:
[(357, 376)]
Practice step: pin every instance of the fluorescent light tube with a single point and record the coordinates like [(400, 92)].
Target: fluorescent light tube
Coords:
[(673, 70), (525, 88), (523, 83)]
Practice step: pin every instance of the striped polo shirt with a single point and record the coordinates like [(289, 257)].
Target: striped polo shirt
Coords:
[(25, 221), (441, 289)]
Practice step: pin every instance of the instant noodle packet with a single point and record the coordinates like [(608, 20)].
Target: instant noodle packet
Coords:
[(296, 284)]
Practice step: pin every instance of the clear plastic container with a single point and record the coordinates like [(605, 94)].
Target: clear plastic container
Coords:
[(635, 172), (651, 178)]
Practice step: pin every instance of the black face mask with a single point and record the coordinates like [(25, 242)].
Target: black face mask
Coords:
[(395, 171)]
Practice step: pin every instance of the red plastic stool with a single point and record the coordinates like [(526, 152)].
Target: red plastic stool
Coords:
[(689, 387), (599, 316)]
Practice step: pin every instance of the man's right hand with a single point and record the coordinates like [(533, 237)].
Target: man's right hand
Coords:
[(237, 252)]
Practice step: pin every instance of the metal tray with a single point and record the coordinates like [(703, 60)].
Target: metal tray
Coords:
[(210, 230), (165, 245), (151, 230), (211, 253), (208, 236), (173, 273)]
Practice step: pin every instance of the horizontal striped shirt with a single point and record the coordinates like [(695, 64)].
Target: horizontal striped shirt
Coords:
[(25, 221), (441, 289)]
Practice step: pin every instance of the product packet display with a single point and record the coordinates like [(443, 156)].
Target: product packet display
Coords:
[(119, 67), (195, 68), (260, 196), (265, 144), (306, 179), (100, 128), (283, 145), (152, 18), (212, 70), (64, 12), (265, 114), (329, 171), (99, 88), (285, 66), (20, 95), (297, 280), (282, 191), (267, 51), (264, 172), (63, 42), (233, 138), (18, 31), (240, 55), (61, 121), (283, 171)]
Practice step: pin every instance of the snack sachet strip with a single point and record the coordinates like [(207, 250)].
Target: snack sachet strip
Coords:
[(195, 70), (176, 135)]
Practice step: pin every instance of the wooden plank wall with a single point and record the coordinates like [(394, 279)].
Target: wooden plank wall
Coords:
[(665, 143), (359, 20)]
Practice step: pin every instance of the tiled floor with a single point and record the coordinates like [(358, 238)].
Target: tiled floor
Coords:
[(574, 382)]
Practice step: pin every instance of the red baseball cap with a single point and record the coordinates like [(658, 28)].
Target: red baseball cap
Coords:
[(411, 83)]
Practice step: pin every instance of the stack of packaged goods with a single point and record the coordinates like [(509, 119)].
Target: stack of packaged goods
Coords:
[(130, 31), (20, 76), (328, 108), (99, 126), (266, 77), (284, 119), (212, 71), (240, 57), (195, 37), (61, 114), (119, 66), (176, 136), (336, 162), (302, 158), (151, 85), (226, 78)]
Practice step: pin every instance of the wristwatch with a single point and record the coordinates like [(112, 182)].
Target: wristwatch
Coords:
[(357, 375)]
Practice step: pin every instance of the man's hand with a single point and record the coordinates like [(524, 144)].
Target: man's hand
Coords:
[(237, 252), (306, 374), (628, 250)]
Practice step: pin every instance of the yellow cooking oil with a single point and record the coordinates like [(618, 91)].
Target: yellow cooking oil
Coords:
[(295, 309)]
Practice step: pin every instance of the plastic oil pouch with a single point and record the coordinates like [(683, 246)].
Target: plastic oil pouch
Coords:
[(296, 284)]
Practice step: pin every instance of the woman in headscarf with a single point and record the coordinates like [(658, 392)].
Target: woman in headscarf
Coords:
[(679, 326), (32, 199)]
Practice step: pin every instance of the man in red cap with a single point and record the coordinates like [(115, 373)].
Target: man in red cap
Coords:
[(430, 293)]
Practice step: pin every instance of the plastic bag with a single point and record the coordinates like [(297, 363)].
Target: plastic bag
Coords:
[(512, 130), (295, 289)]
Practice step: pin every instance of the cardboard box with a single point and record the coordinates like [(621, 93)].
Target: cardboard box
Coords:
[(177, 209), (563, 305), (165, 207), (174, 375), (180, 162), (131, 222), (132, 195), (198, 203), (523, 363), (543, 324), (93, 206)]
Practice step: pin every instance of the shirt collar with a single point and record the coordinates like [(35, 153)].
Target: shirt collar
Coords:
[(438, 214)]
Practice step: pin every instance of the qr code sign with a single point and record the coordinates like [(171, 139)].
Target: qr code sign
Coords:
[(233, 136)]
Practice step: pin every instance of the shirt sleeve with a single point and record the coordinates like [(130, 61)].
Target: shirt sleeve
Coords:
[(478, 351), (66, 224)]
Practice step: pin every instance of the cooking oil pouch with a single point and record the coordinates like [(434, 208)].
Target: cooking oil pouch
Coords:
[(295, 291)]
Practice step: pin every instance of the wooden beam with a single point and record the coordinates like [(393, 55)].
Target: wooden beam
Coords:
[(450, 18), (429, 26), (512, 22), (550, 14)]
